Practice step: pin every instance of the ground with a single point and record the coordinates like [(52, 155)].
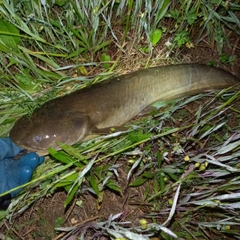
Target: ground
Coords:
[(43, 216)]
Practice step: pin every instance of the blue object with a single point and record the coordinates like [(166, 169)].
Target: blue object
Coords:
[(14, 173)]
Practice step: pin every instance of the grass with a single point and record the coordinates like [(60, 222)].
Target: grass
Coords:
[(184, 165)]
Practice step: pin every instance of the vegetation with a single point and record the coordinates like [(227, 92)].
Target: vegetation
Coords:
[(183, 164)]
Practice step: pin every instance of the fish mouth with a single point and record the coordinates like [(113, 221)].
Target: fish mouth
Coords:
[(35, 149), (40, 152), (25, 150)]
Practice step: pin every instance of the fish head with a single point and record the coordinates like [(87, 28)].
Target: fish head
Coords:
[(38, 133)]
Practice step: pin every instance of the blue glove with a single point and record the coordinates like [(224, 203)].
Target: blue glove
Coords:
[(14, 173)]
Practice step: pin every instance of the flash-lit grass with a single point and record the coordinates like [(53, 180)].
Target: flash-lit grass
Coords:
[(191, 181), (215, 183)]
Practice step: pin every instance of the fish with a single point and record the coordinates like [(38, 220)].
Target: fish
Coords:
[(108, 105)]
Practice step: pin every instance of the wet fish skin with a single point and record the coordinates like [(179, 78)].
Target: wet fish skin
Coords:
[(95, 110)]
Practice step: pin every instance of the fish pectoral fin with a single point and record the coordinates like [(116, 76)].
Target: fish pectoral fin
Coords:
[(78, 124), (108, 130), (147, 110)]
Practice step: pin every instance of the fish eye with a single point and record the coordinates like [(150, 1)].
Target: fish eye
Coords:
[(37, 139)]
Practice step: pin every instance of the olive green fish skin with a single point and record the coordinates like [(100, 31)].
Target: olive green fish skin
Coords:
[(93, 110)]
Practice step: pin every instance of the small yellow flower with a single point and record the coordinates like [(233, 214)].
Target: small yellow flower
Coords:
[(202, 167), (189, 45), (228, 227), (112, 130), (196, 165), (131, 161), (143, 223)]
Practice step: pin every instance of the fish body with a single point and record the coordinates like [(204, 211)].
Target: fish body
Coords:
[(110, 104)]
